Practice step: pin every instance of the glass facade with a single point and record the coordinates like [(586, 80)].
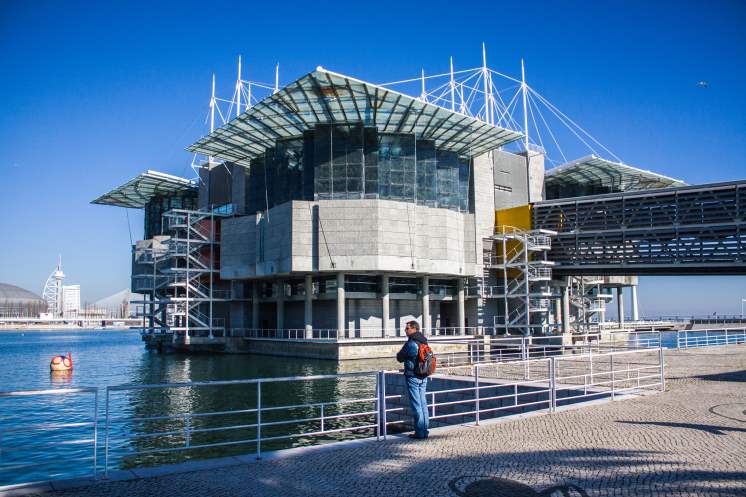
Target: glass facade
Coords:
[(158, 205), (352, 161)]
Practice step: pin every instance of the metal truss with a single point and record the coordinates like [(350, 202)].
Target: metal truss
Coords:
[(685, 230), (523, 273), (182, 277)]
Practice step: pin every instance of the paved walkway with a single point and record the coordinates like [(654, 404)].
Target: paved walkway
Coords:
[(690, 440)]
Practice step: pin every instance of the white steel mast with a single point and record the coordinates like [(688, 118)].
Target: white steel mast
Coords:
[(487, 87), (524, 90), (277, 78), (453, 89), (238, 89)]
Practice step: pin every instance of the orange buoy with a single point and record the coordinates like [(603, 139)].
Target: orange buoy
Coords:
[(61, 363)]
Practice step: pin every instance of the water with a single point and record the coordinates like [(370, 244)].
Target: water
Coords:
[(104, 358)]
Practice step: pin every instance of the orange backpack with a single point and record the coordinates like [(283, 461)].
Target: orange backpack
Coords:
[(426, 361)]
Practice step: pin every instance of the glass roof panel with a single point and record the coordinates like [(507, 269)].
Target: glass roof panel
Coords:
[(140, 190), (593, 169), (327, 97)]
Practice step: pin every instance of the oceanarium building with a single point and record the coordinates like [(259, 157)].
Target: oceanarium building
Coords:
[(336, 209)]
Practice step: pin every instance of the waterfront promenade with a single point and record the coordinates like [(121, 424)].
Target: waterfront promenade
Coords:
[(690, 440)]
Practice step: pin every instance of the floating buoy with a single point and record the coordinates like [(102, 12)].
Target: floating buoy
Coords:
[(61, 363)]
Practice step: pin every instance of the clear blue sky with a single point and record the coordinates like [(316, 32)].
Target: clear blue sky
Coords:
[(95, 92)]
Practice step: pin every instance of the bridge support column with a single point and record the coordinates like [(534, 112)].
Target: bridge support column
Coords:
[(620, 305), (384, 304), (340, 306), (635, 308), (280, 305), (308, 306), (255, 305), (566, 308), (461, 307), (426, 305)]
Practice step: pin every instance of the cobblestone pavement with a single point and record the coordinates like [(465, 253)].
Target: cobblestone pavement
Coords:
[(690, 440)]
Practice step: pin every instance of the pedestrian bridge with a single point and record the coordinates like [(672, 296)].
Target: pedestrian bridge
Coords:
[(673, 231)]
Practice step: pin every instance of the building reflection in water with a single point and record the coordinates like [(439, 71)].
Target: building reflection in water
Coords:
[(185, 406)]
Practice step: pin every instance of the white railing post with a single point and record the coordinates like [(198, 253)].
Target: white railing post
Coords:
[(552, 384), (259, 419), (611, 368), (95, 434), (106, 437), (187, 431), (383, 410), (661, 362), (378, 408), (476, 391)]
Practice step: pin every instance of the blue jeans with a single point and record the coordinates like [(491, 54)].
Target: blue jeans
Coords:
[(418, 402)]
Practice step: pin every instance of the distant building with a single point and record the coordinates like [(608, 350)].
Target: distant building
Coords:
[(70, 300), (15, 302)]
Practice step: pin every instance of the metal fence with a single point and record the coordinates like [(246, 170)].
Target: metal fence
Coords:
[(705, 338), (498, 377), (250, 417), (27, 434), (493, 390)]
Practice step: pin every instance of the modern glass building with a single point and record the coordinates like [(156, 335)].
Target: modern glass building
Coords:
[(338, 209)]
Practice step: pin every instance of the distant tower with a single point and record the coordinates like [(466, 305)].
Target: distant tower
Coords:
[(52, 293)]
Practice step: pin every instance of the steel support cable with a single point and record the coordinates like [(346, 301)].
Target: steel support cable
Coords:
[(546, 125), (557, 111), (533, 119)]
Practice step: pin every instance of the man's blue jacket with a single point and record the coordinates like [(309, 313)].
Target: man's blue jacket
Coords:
[(409, 351)]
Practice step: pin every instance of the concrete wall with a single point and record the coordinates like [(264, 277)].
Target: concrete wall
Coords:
[(349, 235), (511, 185)]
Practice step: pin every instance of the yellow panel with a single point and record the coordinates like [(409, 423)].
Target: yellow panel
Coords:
[(517, 217)]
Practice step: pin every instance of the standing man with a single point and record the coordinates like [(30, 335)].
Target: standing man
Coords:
[(415, 385)]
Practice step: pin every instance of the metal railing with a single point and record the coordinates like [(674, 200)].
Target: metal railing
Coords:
[(686, 339), (500, 389), (496, 377), (252, 420), (26, 438), (333, 333)]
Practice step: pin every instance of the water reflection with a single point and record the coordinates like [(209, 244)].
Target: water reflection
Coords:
[(116, 358)]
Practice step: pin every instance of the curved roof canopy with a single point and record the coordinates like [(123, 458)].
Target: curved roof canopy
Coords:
[(326, 97), (11, 294), (138, 191), (592, 170)]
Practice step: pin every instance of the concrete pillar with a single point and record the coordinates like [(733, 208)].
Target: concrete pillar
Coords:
[(635, 309), (340, 305), (557, 311), (461, 307), (255, 305), (620, 305), (425, 305), (384, 305), (280, 305), (566, 309), (308, 308)]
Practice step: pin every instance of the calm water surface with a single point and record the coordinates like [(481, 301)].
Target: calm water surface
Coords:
[(106, 358)]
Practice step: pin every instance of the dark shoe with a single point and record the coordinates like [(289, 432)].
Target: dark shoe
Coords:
[(412, 435)]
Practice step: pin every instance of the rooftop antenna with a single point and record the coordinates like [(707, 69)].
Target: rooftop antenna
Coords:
[(277, 77), (487, 87), (238, 89), (524, 90), (453, 89), (423, 95)]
